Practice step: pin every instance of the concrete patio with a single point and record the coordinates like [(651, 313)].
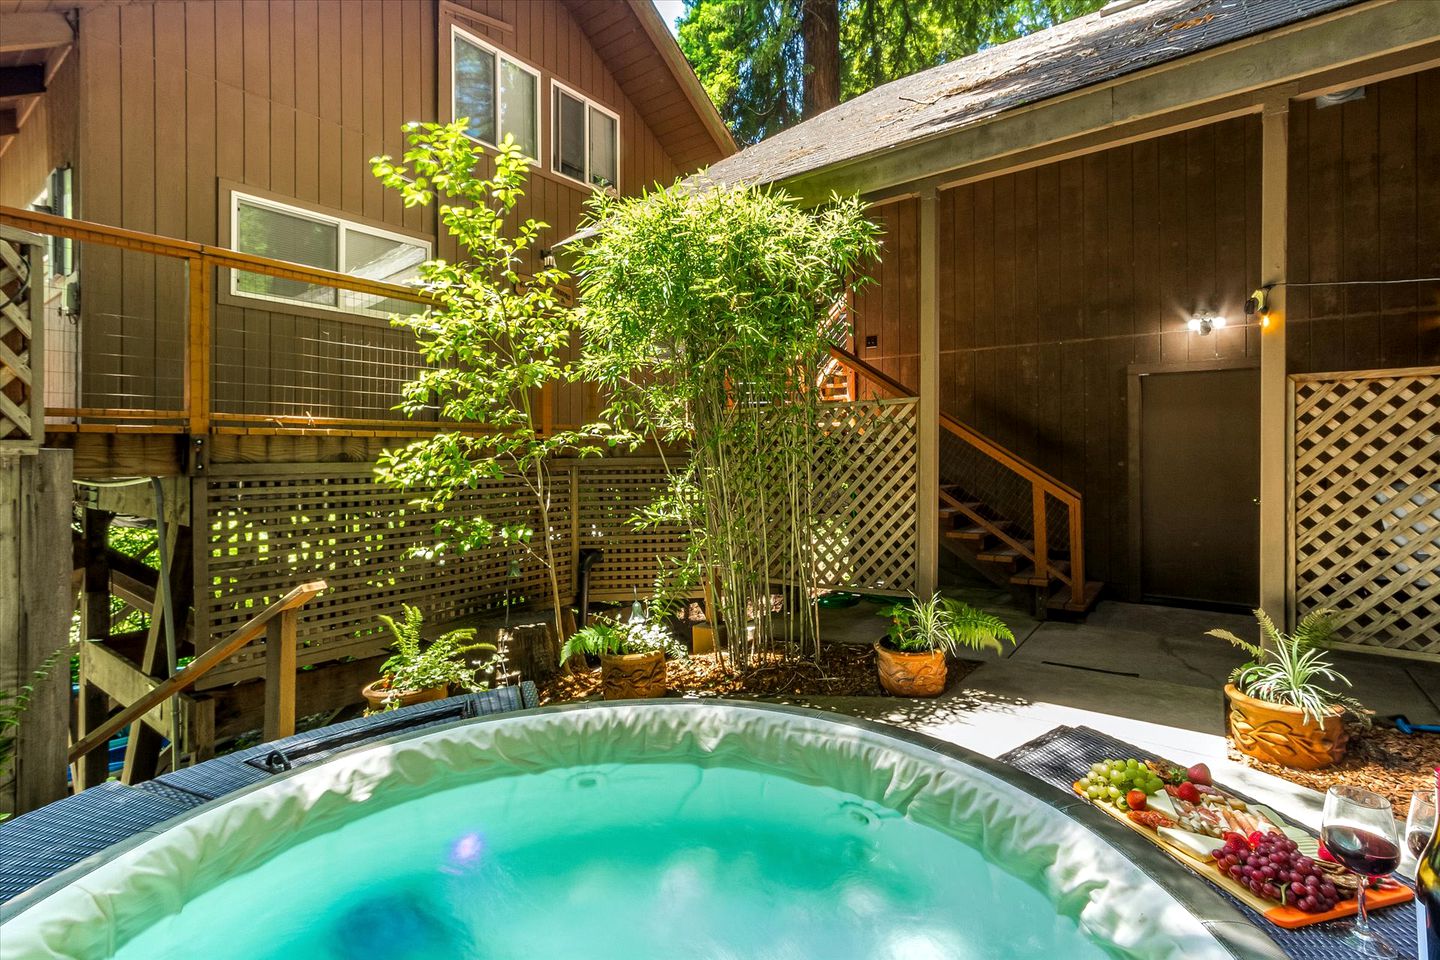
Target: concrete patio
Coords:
[(1144, 674)]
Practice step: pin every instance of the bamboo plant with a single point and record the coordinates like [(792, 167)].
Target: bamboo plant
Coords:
[(705, 318)]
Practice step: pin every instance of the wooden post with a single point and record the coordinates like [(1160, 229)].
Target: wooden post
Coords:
[(927, 484), (280, 675), (35, 498), (197, 348), (1042, 538), (94, 705), (1275, 427)]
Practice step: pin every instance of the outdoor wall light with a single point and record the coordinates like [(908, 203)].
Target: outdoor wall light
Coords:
[(1203, 324), (547, 259)]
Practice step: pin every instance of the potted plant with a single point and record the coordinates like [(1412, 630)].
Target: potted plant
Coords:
[(632, 656), (911, 656), (1283, 707), (418, 674)]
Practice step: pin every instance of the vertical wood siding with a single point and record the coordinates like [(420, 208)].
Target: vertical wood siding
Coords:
[(1365, 205), (289, 98), (1053, 281)]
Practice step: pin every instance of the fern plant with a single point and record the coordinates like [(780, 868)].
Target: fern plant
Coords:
[(606, 637), (1291, 668), (414, 666), (943, 623)]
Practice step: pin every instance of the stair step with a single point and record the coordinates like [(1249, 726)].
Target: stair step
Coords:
[(975, 533), (1027, 577), (1063, 600), (949, 509), (1005, 554)]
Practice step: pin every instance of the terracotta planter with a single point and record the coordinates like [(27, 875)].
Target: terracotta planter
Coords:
[(1279, 734), (632, 676), (911, 674), (377, 696)]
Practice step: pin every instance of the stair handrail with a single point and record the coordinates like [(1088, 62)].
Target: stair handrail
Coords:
[(1041, 482), (184, 679), (1056, 488)]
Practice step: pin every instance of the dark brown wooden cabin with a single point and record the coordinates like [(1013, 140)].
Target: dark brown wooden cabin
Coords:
[(1074, 223)]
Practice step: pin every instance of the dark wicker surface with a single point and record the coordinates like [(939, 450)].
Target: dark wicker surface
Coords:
[(36, 846), (1060, 756)]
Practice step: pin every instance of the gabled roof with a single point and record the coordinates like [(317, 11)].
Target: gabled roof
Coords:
[(1080, 53), (646, 61)]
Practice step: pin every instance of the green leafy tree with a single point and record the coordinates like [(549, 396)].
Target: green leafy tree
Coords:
[(760, 59), (494, 338), (706, 320)]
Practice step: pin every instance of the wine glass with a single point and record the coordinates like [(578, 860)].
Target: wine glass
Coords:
[(1358, 828), (1420, 823)]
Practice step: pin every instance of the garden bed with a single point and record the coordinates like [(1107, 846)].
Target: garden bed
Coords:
[(844, 670), (1382, 759)]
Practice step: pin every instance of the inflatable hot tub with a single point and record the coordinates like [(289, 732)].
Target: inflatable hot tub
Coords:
[(679, 829)]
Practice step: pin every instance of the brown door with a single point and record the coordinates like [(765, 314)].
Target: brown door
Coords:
[(1199, 487)]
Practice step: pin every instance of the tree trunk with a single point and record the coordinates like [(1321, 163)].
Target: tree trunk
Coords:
[(820, 34)]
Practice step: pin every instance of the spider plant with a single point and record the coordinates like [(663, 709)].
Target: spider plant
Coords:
[(943, 623), (1291, 668), (414, 666)]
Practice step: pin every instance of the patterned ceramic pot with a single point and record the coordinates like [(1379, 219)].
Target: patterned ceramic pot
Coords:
[(911, 674), (1275, 733), (633, 676), (376, 695)]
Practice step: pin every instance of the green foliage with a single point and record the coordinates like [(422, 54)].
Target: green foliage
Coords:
[(705, 318), (496, 337), (606, 637), (14, 704), (943, 623), (750, 58), (1291, 668), (414, 666)]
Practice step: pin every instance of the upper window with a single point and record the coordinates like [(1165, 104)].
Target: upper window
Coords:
[(498, 94), (586, 139), (282, 232)]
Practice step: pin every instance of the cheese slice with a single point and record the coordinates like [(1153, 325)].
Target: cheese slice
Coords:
[(1196, 844)]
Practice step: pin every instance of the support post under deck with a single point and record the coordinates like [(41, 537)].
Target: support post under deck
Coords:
[(927, 486)]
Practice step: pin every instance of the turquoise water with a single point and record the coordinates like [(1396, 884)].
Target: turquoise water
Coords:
[(622, 863)]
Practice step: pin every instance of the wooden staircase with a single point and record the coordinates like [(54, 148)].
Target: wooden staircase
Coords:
[(1042, 560)]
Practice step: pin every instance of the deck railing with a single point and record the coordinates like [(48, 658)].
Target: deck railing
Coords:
[(152, 352), (1006, 483)]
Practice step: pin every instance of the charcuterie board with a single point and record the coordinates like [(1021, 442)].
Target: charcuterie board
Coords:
[(1278, 914)]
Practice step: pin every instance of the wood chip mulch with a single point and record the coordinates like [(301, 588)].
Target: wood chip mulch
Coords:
[(1382, 759), (844, 670)]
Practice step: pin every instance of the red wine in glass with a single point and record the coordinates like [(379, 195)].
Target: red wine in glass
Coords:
[(1416, 841), (1364, 852)]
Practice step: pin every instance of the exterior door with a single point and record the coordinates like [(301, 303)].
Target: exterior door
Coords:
[(1200, 487)]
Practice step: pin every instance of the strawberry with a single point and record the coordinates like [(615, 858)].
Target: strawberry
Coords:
[(1199, 774), (1136, 799), (1187, 792)]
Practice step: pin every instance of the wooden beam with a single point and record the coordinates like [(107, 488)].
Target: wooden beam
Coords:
[(35, 31), (927, 485), (1275, 427), (26, 80), (197, 668)]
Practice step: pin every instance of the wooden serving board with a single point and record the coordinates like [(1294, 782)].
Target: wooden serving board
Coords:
[(1281, 916)]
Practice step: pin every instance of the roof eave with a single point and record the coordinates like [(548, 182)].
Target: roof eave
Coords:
[(1290, 54), (669, 49)]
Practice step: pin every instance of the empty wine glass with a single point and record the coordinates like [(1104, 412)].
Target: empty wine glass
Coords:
[(1358, 828), (1420, 823)]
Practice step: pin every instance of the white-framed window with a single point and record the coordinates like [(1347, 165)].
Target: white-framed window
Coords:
[(498, 93), (268, 228), (584, 138)]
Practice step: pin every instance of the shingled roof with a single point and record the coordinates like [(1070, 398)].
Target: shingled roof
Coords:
[(1070, 56)]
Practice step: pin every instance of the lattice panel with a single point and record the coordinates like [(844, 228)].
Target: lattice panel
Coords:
[(1366, 490), (22, 394), (866, 511), (608, 493), (269, 532)]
